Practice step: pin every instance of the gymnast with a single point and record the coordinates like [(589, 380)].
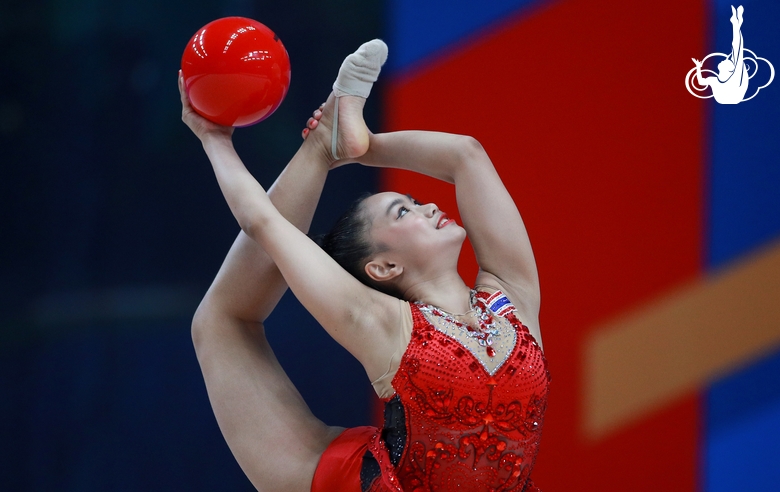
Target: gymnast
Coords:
[(731, 84), (460, 370)]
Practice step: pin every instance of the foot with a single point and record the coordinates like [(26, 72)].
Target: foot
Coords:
[(356, 77), (736, 15), (313, 121), (360, 70), (352, 130)]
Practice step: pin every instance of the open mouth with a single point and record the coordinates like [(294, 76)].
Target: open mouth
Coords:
[(443, 221)]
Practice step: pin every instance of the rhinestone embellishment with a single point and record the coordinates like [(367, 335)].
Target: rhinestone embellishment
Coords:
[(487, 334)]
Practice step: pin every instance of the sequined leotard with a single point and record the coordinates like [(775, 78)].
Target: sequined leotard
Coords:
[(468, 407)]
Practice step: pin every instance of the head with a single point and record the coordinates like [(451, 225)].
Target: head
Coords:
[(388, 240), (725, 69)]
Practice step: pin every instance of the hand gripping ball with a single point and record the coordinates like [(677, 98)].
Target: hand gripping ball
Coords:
[(236, 71)]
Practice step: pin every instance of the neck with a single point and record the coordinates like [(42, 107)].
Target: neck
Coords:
[(447, 292)]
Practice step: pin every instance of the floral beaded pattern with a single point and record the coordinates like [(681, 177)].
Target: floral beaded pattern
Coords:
[(468, 427)]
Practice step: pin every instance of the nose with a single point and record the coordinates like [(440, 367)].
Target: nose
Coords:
[(430, 209)]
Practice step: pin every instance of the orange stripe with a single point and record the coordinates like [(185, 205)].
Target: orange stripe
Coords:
[(645, 360)]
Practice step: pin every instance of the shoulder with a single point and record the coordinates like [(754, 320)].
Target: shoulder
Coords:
[(495, 299), (392, 327), (525, 298), (398, 343), (504, 299)]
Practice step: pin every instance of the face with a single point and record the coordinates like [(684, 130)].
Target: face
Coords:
[(725, 68), (412, 233)]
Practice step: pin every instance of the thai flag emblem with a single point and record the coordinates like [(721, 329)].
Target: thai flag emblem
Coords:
[(499, 304)]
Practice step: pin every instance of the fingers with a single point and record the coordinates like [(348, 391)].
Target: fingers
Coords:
[(185, 100), (181, 85)]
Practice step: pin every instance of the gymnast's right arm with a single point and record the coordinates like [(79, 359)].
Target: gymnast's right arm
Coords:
[(250, 394), (358, 317)]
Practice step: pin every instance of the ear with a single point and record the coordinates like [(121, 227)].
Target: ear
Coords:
[(382, 270)]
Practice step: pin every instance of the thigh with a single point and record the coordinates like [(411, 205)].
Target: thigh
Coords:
[(270, 430), (342, 465)]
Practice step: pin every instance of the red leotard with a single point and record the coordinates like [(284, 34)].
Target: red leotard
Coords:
[(457, 423)]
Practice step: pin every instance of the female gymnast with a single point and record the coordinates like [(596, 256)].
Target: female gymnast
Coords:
[(731, 84), (460, 369)]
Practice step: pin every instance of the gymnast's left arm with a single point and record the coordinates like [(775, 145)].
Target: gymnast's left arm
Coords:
[(701, 80), (489, 213)]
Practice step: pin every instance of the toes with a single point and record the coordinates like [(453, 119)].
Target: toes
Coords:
[(312, 123), (305, 133)]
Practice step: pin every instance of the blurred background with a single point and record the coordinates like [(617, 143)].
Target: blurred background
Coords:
[(655, 218)]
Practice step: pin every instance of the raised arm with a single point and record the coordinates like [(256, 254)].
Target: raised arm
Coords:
[(701, 80), (502, 246), (356, 316), (255, 403), (249, 285)]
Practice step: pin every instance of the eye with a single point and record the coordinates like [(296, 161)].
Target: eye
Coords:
[(402, 211)]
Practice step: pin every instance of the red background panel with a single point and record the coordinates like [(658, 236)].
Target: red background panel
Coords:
[(583, 109)]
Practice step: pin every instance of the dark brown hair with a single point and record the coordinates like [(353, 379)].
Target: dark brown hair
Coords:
[(348, 243)]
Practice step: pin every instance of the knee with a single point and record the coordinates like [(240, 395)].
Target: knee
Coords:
[(203, 322), (198, 326)]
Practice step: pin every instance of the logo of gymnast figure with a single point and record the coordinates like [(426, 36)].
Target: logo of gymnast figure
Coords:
[(730, 84)]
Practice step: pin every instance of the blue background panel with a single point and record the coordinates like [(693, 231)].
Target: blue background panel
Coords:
[(111, 408), (742, 435), (745, 169), (122, 405), (743, 430), (104, 195), (419, 29)]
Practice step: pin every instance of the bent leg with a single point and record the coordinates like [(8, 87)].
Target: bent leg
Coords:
[(737, 42), (270, 430), (267, 425)]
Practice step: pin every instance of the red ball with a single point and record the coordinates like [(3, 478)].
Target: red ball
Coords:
[(236, 71)]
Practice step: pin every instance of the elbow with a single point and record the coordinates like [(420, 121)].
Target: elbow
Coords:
[(471, 152), (469, 147), (473, 145)]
